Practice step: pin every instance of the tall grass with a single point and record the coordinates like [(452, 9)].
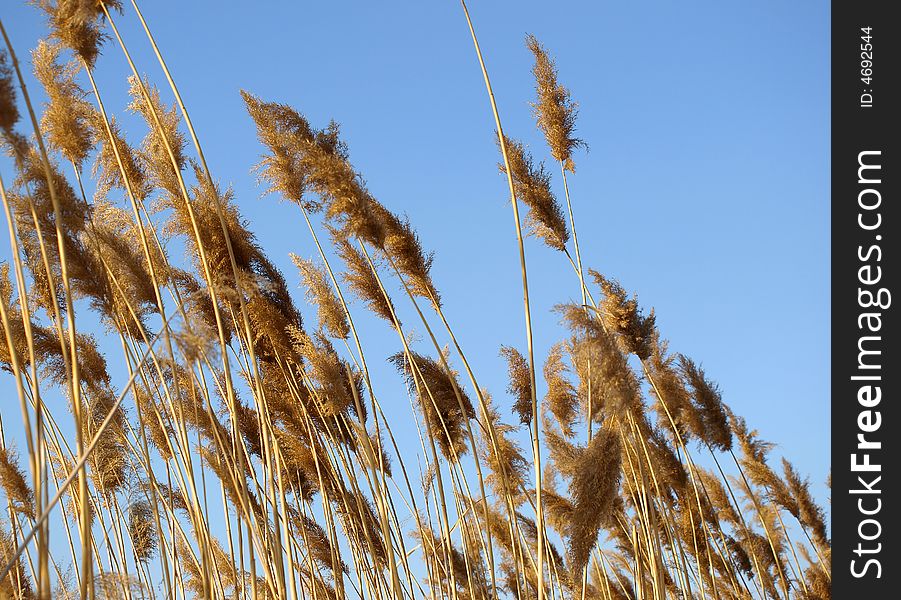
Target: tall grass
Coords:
[(248, 454)]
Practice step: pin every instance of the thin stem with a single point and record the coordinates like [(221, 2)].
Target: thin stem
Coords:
[(535, 426)]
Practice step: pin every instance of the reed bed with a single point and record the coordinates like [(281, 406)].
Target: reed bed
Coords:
[(247, 453)]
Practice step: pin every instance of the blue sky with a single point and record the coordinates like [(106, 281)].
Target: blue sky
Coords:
[(705, 190)]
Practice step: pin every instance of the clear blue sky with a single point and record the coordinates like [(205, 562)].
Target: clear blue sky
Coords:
[(705, 189)]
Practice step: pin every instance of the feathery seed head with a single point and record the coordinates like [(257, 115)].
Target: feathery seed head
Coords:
[(506, 464), (108, 461), (332, 317), (361, 279), (402, 245), (718, 496), (142, 530), (561, 395), (155, 422), (602, 368), (9, 111), (12, 480), (520, 383), (160, 140), (564, 453), (810, 514), (286, 133), (594, 488), (107, 168), (673, 401), (555, 110), (317, 542), (532, 186), (709, 405), (445, 405), (337, 386), (305, 159), (114, 244), (17, 584), (76, 23), (622, 315), (67, 115)]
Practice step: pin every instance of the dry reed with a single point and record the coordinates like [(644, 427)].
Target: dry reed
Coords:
[(255, 458)]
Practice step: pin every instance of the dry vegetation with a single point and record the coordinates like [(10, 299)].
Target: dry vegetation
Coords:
[(247, 454)]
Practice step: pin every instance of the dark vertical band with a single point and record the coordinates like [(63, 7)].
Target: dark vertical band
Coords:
[(866, 368)]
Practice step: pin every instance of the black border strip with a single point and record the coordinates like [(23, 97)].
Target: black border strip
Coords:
[(866, 367)]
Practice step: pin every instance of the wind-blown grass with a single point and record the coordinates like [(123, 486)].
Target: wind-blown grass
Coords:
[(248, 453)]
